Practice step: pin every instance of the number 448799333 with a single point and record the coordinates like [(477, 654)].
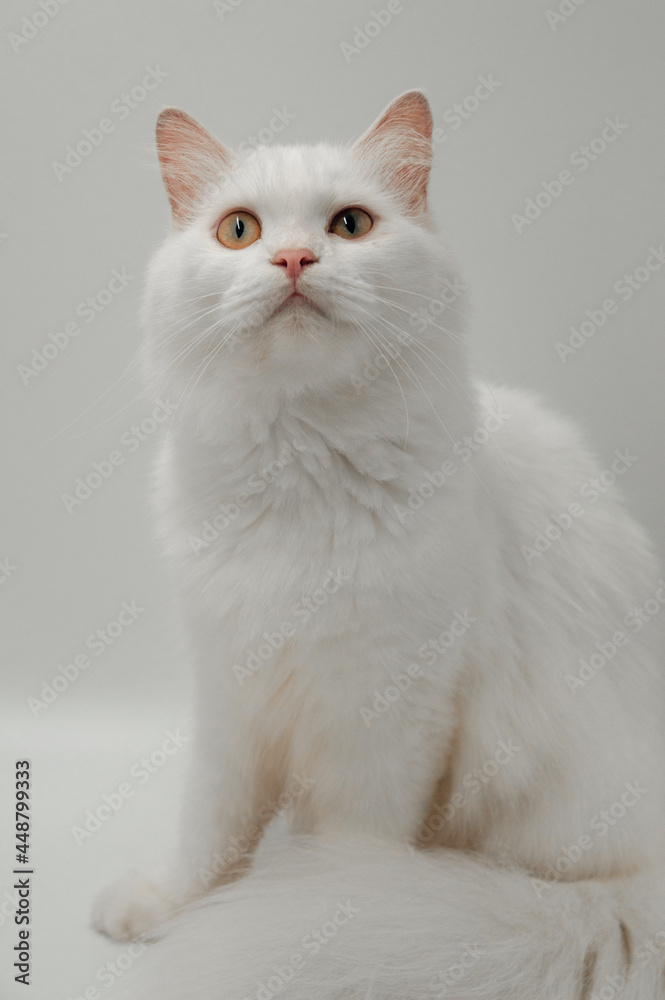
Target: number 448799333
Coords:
[(22, 810)]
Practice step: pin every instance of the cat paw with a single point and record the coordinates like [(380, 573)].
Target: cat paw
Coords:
[(130, 908)]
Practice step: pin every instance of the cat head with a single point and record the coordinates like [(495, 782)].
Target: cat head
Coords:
[(290, 269)]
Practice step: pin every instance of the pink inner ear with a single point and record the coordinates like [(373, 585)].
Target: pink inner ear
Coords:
[(400, 143), (410, 113), (190, 158)]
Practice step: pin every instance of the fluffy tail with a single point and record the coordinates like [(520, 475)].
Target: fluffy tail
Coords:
[(358, 921)]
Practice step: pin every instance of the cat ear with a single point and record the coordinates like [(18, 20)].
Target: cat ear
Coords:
[(191, 160), (400, 145)]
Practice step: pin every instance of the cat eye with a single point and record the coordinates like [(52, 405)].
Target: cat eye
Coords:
[(351, 223), (238, 230)]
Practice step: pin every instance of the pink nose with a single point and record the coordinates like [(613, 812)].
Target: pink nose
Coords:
[(294, 261)]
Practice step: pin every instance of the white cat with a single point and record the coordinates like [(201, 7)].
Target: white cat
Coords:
[(412, 605)]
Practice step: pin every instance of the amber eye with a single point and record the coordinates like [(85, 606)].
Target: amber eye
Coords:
[(238, 230), (351, 223)]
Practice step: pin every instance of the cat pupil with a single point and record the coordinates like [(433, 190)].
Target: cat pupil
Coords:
[(240, 228), (350, 223)]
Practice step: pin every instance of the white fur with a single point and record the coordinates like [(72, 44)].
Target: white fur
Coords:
[(371, 921), (285, 407)]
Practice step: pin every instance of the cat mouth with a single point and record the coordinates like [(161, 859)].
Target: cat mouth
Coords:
[(297, 298), (299, 302)]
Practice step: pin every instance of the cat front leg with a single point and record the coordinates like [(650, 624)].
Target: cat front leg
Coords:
[(235, 781), (231, 787)]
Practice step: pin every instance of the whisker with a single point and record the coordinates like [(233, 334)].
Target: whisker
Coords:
[(201, 367), (423, 361), (494, 444), (419, 384), (406, 409), (420, 295), (126, 377), (123, 408), (395, 305), (424, 347)]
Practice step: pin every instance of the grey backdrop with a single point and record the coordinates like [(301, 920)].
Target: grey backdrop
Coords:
[(553, 71), (554, 80)]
